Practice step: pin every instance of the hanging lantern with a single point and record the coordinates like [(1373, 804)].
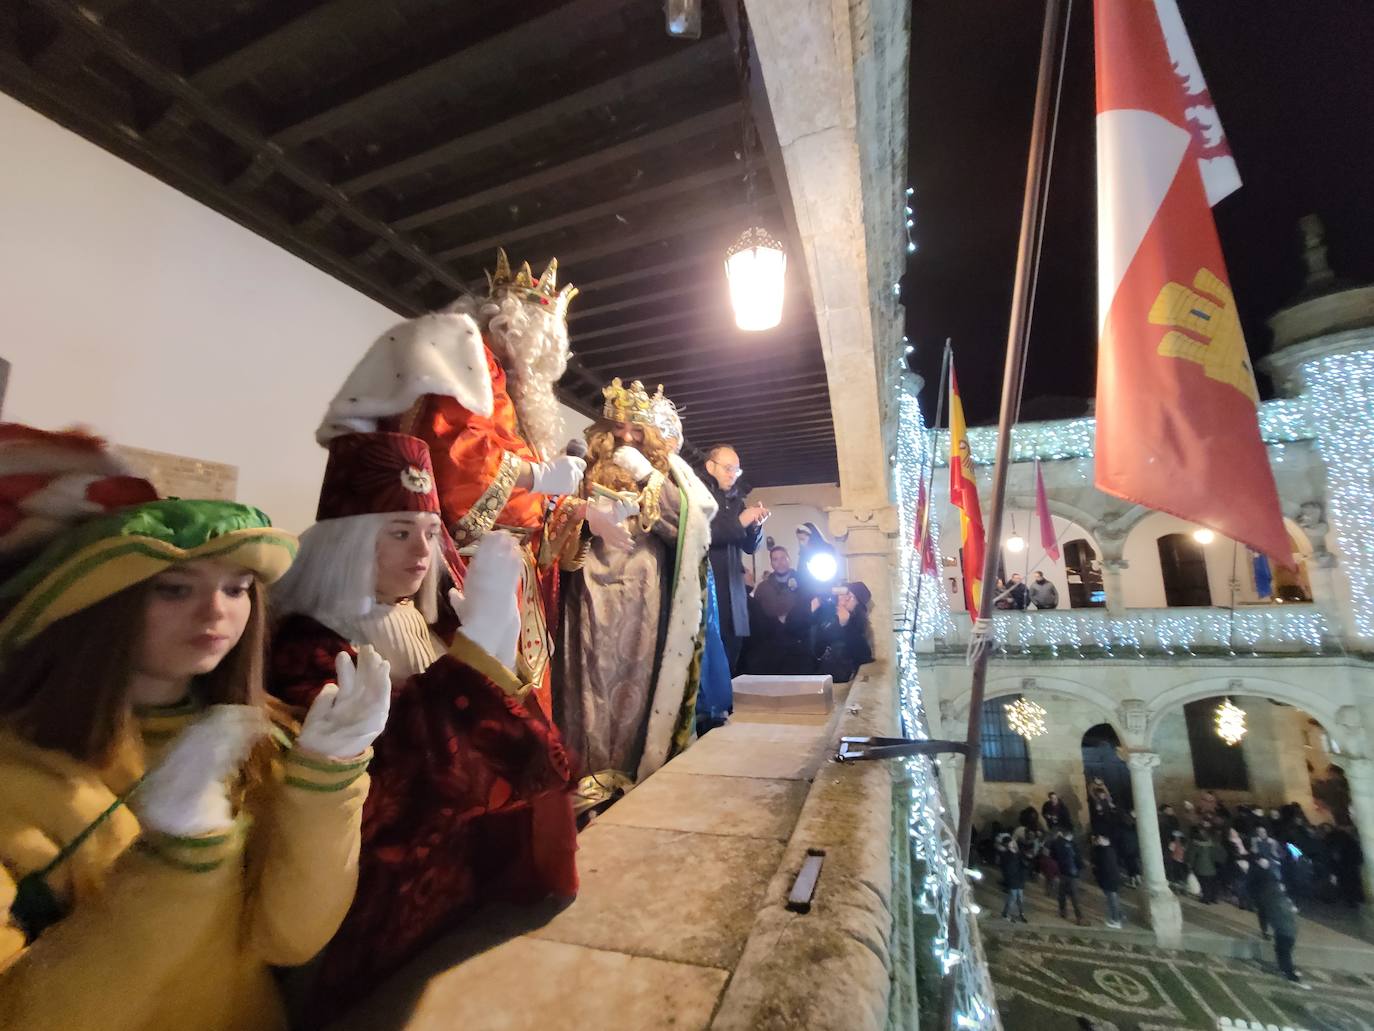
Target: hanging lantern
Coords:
[(1026, 718), (1015, 543), (756, 266), (1230, 722)]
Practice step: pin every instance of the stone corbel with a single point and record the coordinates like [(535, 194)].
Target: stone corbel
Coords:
[(1311, 519), (1135, 718), (845, 521)]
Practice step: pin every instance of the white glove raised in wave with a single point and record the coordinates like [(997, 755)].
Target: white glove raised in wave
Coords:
[(346, 717), (488, 606), (632, 460), (187, 792), (606, 519), (561, 476)]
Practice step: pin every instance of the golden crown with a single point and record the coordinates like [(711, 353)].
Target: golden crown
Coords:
[(543, 290), (665, 415), (627, 404)]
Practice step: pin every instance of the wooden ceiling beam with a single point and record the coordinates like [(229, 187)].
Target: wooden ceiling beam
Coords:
[(577, 216), (683, 226), (653, 320), (130, 55), (290, 35), (502, 192), (69, 48), (718, 338), (93, 122), (649, 272), (642, 81), (637, 300), (815, 376), (365, 102)]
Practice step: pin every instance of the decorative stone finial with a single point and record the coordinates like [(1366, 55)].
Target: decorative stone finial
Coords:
[(1319, 274)]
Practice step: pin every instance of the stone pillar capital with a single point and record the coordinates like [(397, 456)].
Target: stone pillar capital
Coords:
[(844, 521), (1142, 760)]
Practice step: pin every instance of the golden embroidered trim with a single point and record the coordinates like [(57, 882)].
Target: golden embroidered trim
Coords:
[(650, 510), (485, 510)]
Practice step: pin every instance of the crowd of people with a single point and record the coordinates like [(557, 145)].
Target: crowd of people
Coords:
[(1016, 593), (1265, 861), (802, 624)]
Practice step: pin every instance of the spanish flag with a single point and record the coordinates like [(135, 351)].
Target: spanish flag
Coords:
[(963, 494)]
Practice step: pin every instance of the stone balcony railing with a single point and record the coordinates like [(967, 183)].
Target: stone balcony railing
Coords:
[(1097, 633)]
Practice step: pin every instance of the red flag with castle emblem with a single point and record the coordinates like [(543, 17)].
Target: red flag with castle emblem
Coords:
[(925, 540), (1177, 428)]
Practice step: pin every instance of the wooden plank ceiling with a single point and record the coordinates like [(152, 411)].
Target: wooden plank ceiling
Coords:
[(396, 143)]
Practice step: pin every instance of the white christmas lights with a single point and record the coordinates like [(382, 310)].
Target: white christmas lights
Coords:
[(1300, 629), (1284, 421), (945, 883), (1339, 400), (1230, 722)]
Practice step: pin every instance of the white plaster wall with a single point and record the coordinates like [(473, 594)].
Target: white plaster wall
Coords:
[(790, 508), (1027, 562), (161, 324), (1143, 582)]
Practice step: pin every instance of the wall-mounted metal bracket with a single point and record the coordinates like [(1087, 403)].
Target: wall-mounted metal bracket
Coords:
[(854, 749)]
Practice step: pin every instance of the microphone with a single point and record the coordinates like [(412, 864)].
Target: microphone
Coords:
[(576, 447)]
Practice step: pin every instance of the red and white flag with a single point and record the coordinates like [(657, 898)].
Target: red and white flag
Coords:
[(1177, 428)]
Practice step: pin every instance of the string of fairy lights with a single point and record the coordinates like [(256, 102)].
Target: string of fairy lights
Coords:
[(945, 883)]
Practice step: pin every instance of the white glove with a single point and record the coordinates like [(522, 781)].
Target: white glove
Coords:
[(346, 717), (632, 460), (488, 606), (606, 519), (561, 476), (186, 794)]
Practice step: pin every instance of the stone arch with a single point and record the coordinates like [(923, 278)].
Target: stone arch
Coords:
[(1055, 685), (1081, 518), (1321, 708)]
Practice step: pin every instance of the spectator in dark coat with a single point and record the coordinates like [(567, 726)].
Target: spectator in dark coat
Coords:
[(1013, 863), (1277, 911), (840, 641), (1108, 872), (1065, 854), (736, 531), (1056, 814), (810, 543), (1346, 858)]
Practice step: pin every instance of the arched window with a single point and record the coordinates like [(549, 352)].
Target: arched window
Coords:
[(1084, 573), (1184, 566), (1005, 757), (1216, 765)]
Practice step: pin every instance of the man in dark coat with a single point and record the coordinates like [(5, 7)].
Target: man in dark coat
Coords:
[(1276, 910), (1064, 852), (736, 531)]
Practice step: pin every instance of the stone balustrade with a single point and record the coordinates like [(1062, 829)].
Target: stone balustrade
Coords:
[(1299, 629)]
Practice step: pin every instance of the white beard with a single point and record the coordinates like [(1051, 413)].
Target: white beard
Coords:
[(532, 346)]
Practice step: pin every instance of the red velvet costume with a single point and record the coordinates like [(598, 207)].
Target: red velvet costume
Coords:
[(470, 794), (469, 804), (477, 460)]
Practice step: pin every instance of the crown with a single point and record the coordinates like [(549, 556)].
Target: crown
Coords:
[(627, 404), (543, 291)]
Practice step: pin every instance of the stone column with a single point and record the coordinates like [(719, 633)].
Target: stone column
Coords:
[(1166, 916), (1360, 774), (1112, 569)]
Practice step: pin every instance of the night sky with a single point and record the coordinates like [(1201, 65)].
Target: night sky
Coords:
[(1294, 85)]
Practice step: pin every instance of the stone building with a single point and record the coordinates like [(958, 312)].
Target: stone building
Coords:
[(1159, 620)]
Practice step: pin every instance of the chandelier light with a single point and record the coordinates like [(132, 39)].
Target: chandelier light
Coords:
[(1015, 543), (1230, 722), (1026, 718), (1204, 536), (756, 266)]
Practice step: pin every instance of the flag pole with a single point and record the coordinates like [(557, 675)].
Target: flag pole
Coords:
[(1032, 217)]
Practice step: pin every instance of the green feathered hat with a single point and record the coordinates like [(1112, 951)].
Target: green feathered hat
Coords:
[(97, 559)]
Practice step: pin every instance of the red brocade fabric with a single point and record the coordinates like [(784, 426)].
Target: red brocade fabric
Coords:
[(469, 803)]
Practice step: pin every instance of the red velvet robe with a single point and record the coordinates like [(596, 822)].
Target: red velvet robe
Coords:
[(469, 803), (476, 462)]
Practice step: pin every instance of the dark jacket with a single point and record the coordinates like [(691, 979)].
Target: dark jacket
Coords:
[(1056, 815), (1107, 869), (1043, 594), (1065, 855), (1273, 902), (841, 648), (730, 542), (1013, 868)]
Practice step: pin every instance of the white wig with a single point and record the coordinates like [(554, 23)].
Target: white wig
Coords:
[(334, 577), (531, 343)]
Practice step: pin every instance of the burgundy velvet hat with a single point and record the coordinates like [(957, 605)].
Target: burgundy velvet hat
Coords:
[(374, 473)]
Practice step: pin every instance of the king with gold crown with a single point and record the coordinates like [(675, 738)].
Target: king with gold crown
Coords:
[(476, 383), (638, 581)]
